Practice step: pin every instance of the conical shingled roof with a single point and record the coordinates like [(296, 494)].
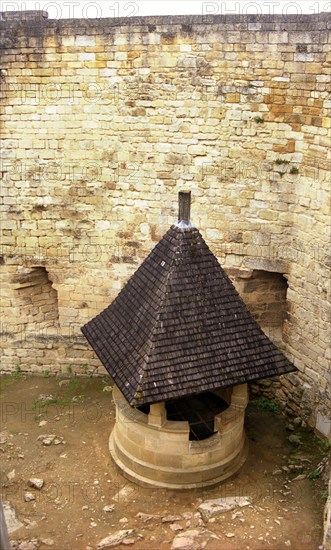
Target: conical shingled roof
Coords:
[(179, 327)]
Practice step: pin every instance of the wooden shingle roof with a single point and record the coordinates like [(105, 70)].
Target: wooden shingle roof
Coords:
[(179, 327)]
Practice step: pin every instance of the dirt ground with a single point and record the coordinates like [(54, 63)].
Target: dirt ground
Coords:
[(80, 477)]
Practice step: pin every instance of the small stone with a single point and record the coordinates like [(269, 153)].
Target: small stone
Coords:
[(27, 545), (123, 520), (115, 539), (214, 507), (107, 388), (85, 507), (47, 542), (109, 508), (230, 535), (144, 517), (64, 382), (170, 519), (11, 475), (4, 436), (47, 441), (128, 541), (299, 477), (287, 543), (36, 483), (186, 540), (237, 515), (42, 423), (28, 497), (277, 472), (93, 524)]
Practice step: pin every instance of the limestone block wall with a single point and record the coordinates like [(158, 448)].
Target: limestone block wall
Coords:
[(105, 120)]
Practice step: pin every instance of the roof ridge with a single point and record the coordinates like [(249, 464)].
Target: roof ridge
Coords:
[(151, 343)]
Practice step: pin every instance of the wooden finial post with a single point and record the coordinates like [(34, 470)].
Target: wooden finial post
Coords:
[(184, 206)]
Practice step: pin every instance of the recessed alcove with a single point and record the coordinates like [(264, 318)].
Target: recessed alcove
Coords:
[(265, 295), (36, 297)]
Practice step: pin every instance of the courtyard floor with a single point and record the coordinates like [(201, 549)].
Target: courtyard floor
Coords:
[(57, 429)]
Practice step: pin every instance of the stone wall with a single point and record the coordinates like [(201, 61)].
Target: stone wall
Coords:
[(105, 120)]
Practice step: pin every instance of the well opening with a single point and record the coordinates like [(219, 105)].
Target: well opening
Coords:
[(198, 410)]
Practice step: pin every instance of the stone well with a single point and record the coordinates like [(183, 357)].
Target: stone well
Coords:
[(152, 450)]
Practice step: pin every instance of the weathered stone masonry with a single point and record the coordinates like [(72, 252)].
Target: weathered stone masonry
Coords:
[(105, 120)]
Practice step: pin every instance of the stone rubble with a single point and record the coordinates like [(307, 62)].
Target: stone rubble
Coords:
[(215, 507)]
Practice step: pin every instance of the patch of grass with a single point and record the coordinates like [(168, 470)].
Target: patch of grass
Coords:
[(46, 374), (69, 369), (17, 374), (87, 370), (281, 161), (325, 447), (72, 386), (294, 170), (280, 173), (267, 404), (325, 494), (258, 119), (315, 474), (42, 403)]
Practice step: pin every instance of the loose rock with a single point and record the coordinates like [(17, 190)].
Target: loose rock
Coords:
[(145, 517), (115, 539), (193, 539), (299, 477), (171, 519), (28, 497), (109, 508), (217, 506), (27, 545), (36, 483), (10, 516)]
